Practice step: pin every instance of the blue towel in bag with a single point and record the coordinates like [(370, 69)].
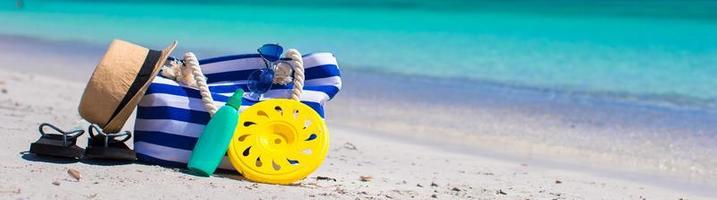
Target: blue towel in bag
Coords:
[(170, 116)]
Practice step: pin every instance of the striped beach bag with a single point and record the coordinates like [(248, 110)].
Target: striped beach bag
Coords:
[(171, 116)]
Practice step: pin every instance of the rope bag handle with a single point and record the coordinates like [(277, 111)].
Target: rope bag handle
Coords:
[(191, 63), (298, 66), (191, 66)]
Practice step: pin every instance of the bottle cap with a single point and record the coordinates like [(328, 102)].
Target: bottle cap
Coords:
[(235, 100)]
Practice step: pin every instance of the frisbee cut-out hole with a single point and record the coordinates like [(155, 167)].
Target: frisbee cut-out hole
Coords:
[(246, 151), (293, 162), (307, 151), (242, 138), (258, 162), (262, 113), (311, 137), (307, 123), (275, 166), (278, 109), (249, 123)]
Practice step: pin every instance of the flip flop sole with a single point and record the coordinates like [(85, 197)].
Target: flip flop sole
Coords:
[(57, 151), (110, 153)]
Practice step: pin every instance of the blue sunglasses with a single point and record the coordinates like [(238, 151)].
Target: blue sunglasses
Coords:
[(260, 81), (270, 52)]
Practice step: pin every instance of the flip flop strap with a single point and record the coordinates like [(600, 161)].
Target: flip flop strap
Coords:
[(65, 134), (94, 128)]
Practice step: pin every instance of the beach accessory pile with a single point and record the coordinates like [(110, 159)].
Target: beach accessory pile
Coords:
[(115, 88), (273, 133)]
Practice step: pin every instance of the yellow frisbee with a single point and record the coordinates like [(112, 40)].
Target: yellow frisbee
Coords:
[(278, 141)]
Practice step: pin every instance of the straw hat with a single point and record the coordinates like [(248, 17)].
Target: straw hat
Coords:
[(119, 82)]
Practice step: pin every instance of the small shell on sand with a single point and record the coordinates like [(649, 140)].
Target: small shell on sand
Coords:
[(350, 146), (366, 178), (74, 173)]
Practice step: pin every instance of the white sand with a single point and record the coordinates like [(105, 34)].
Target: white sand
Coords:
[(399, 168)]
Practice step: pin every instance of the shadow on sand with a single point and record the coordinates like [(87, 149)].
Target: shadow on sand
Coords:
[(26, 155), (49, 159), (106, 162)]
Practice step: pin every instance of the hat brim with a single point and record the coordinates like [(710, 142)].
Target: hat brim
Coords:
[(115, 124)]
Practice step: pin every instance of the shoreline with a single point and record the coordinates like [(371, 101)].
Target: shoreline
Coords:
[(510, 121), (534, 123), (88, 54)]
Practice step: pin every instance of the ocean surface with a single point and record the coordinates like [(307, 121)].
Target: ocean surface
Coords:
[(661, 52), (609, 65)]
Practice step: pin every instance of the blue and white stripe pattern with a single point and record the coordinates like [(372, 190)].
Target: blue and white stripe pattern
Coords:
[(170, 116)]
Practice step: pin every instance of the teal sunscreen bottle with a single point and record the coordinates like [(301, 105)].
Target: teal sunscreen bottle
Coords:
[(214, 141)]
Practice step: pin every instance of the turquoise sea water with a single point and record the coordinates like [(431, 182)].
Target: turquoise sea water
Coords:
[(662, 51)]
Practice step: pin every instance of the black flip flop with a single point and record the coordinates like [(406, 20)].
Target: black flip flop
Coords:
[(63, 144), (106, 145)]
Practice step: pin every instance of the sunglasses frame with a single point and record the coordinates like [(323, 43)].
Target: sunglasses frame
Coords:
[(267, 61), (270, 65)]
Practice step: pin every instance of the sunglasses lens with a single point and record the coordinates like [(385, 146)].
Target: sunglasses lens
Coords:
[(260, 81), (271, 52)]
